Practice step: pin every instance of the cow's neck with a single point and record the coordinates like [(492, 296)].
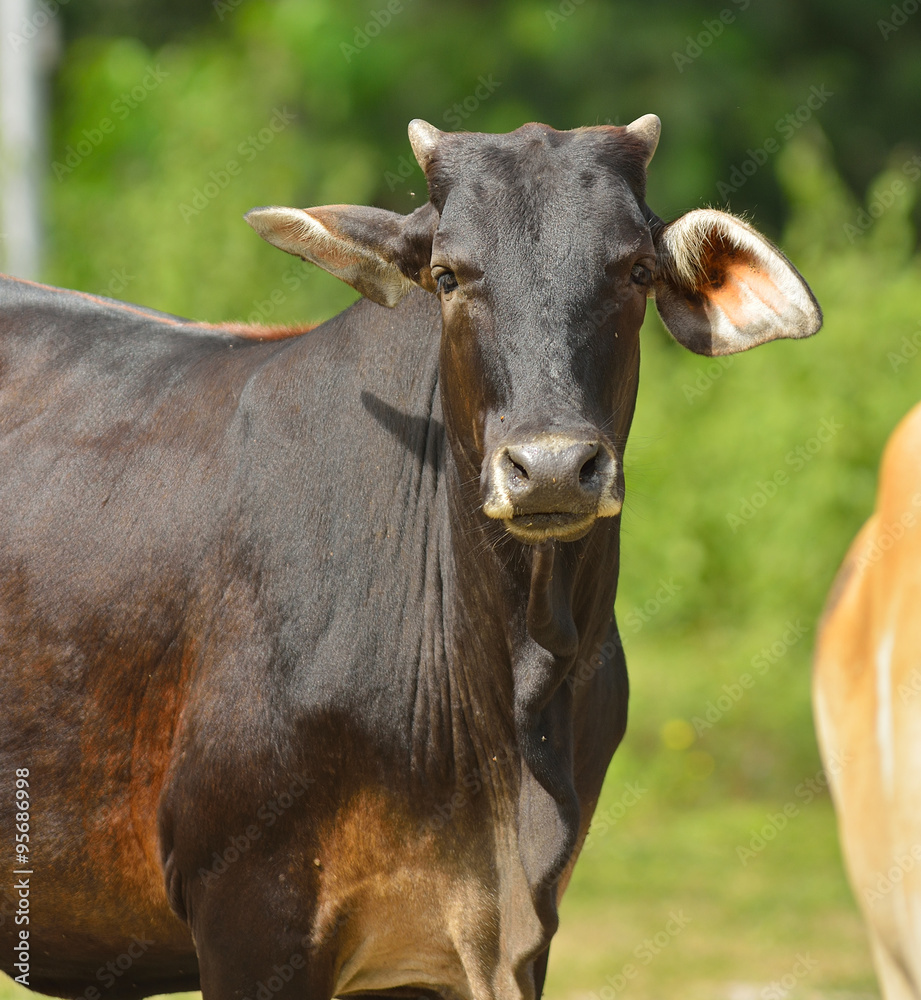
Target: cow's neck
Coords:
[(521, 597)]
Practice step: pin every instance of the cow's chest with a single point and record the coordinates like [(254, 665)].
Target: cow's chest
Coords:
[(442, 906)]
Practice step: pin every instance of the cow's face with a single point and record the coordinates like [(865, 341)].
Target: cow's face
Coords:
[(542, 252), (542, 259)]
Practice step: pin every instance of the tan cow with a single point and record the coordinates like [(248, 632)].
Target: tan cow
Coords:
[(867, 696)]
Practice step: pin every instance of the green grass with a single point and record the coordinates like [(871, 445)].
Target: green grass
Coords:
[(739, 928)]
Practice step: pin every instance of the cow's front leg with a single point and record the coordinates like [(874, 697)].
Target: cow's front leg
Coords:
[(262, 963), (252, 934), (261, 970)]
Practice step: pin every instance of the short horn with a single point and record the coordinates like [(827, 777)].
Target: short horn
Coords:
[(646, 130), (424, 139)]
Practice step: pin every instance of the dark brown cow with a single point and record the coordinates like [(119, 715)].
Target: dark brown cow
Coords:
[(307, 643)]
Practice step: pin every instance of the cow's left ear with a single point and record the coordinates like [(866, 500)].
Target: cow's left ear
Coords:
[(381, 254), (721, 287)]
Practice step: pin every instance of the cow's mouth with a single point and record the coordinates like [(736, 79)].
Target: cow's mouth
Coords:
[(535, 528)]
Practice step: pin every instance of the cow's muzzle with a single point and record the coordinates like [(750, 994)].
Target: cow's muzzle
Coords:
[(552, 486)]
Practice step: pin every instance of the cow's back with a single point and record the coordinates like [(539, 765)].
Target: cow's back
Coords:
[(867, 688), (110, 424)]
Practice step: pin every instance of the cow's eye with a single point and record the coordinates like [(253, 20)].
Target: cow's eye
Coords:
[(446, 281), (641, 274)]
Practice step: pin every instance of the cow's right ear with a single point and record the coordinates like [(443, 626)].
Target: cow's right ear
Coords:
[(721, 287), (381, 254)]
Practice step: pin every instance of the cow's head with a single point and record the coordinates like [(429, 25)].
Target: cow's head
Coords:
[(542, 251)]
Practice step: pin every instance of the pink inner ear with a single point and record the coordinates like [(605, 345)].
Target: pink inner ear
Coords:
[(746, 289)]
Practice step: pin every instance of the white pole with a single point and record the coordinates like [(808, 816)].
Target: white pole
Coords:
[(27, 39)]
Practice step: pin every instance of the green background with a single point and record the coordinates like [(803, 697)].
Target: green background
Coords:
[(801, 116)]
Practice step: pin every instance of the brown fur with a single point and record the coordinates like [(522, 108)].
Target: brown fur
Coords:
[(868, 725)]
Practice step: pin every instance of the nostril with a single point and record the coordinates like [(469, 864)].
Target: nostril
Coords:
[(516, 463), (520, 470), (588, 470)]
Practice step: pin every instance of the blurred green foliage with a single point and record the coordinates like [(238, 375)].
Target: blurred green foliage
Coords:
[(747, 477)]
